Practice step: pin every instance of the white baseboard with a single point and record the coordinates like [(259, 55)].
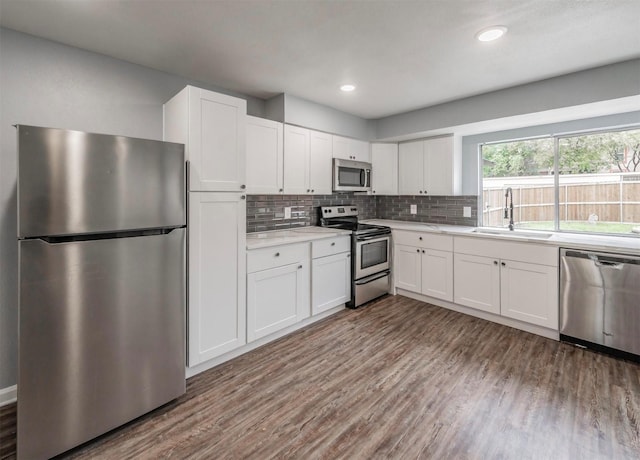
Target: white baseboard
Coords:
[(191, 371), (532, 328), (8, 395)]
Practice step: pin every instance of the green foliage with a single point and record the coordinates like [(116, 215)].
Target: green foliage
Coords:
[(589, 154)]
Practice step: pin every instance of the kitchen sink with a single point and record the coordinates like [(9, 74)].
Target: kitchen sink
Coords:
[(513, 233)]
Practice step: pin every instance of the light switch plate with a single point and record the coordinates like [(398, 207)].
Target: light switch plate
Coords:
[(466, 211), (287, 212), (414, 209)]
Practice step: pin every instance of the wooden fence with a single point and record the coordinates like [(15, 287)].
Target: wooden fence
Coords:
[(611, 202)]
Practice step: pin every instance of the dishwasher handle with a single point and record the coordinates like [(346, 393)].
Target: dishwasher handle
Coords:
[(602, 259), (608, 263)]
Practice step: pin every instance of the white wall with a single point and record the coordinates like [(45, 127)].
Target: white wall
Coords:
[(43, 83), (301, 112), (605, 83)]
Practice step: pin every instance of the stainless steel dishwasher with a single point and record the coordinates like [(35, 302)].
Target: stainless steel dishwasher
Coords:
[(600, 300)]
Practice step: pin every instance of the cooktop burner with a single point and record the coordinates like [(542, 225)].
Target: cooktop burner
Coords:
[(346, 218)]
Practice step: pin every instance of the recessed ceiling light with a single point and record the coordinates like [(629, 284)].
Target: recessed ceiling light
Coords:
[(347, 88), (491, 33)]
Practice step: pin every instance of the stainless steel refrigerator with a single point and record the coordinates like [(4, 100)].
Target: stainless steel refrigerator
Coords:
[(101, 235)]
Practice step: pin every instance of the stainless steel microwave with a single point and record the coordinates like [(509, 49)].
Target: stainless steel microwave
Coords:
[(351, 176)]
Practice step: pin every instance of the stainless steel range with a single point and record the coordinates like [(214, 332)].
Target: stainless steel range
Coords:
[(370, 251)]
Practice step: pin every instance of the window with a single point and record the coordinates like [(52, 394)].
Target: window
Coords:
[(579, 183)]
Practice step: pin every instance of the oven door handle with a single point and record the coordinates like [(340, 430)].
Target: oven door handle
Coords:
[(373, 237), (371, 278)]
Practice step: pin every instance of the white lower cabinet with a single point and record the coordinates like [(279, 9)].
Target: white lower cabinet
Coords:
[(514, 280), (330, 274), (278, 289), (529, 292), (425, 271), (217, 275), (407, 267), (477, 282), (423, 263)]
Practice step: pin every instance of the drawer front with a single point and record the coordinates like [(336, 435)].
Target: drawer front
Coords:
[(423, 240), (276, 256), (508, 250), (330, 246)]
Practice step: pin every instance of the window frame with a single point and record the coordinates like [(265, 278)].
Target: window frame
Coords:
[(556, 176)]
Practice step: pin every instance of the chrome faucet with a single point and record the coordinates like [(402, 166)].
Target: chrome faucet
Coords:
[(508, 206)]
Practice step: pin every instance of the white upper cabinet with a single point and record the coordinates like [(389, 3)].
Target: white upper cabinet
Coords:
[(265, 156), (212, 127), (438, 166), (307, 161), (296, 160), (384, 169), (320, 163), (411, 168), (351, 149), (429, 167)]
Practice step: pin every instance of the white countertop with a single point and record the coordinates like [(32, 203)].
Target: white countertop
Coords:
[(292, 235), (618, 244)]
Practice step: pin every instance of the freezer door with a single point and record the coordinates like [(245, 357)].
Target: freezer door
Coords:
[(102, 336), (71, 182)]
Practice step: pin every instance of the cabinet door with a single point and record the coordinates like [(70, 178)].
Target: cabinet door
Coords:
[(477, 282), (277, 298), (216, 141), (320, 163), (361, 150), (438, 166), (408, 267), (437, 274), (384, 159), (265, 156), (330, 282), (341, 148), (217, 274), (296, 160), (529, 292), (410, 168)]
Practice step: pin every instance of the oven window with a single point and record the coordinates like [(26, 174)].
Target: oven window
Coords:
[(350, 177), (374, 253)]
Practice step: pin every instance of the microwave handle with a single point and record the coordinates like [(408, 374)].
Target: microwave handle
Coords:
[(367, 177)]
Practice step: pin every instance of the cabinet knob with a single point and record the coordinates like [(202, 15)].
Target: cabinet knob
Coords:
[(425, 192), (417, 250), (281, 190), (420, 191), (243, 197), (495, 262), (308, 190), (312, 190), (348, 255), (277, 254), (420, 238), (333, 244), (299, 267), (373, 191), (243, 186), (503, 264), (423, 251)]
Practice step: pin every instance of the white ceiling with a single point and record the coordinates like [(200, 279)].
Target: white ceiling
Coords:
[(402, 55)]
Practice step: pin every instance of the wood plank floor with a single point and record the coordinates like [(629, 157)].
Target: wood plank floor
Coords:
[(397, 379)]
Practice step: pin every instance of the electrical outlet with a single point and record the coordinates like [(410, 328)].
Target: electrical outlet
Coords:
[(466, 211), (287, 212), (414, 209)]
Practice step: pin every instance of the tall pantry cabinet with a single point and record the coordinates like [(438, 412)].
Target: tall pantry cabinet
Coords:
[(212, 127)]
